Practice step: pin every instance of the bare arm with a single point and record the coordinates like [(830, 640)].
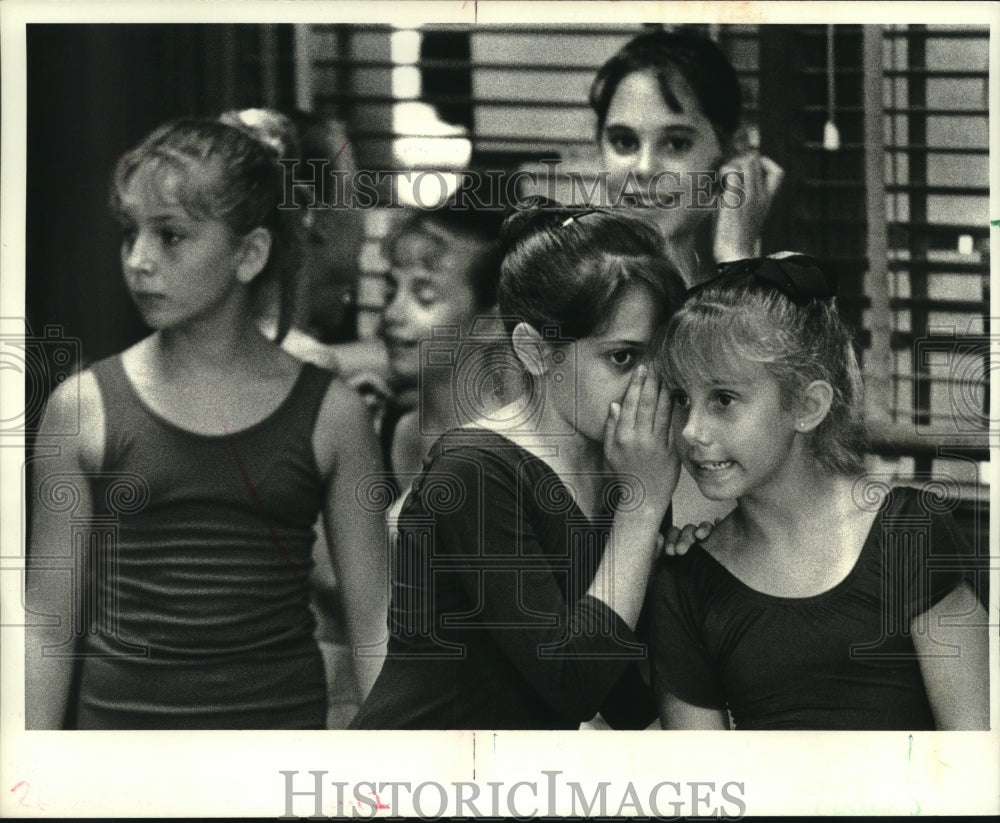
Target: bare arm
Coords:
[(676, 714), (637, 444), (60, 489), (356, 535), (361, 358), (954, 660), (750, 183)]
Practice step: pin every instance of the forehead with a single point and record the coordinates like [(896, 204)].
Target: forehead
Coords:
[(160, 184), (633, 317), (638, 101), (434, 249), (725, 369)]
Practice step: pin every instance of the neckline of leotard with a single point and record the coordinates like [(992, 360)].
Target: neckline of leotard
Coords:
[(154, 415), (544, 467), (871, 541)]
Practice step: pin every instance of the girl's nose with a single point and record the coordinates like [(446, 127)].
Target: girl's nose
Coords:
[(695, 430), (140, 256), (644, 160), (394, 312)]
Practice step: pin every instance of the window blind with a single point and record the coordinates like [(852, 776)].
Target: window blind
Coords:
[(935, 134)]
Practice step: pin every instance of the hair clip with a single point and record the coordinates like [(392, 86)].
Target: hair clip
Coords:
[(798, 276), (574, 217)]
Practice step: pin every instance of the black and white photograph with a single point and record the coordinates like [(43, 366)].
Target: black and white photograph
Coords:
[(498, 409)]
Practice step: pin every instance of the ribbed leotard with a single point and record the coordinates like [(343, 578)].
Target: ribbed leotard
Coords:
[(201, 615)]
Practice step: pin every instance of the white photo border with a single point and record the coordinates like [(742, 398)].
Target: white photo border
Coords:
[(239, 774)]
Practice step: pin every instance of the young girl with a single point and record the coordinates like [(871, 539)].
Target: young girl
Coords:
[(810, 606), (197, 615), (669, 104), (525, 546), (441, 294)]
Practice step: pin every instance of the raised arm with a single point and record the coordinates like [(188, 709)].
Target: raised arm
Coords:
[(750, 183), (954, 660), (60, 489), (638, 447), (356, 535)]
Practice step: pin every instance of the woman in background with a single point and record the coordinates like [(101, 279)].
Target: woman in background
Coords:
[(669, 127)]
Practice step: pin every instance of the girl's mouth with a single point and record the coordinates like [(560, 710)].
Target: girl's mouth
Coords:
[(713, 466)]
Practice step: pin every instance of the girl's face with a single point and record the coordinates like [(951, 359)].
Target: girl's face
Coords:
[(734, 435), (663, 149), (177, 268), (427, 286), (595, 370)]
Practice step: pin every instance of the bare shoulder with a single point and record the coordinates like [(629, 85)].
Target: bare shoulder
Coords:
[(344, 427), (74, 420), (341, 401)]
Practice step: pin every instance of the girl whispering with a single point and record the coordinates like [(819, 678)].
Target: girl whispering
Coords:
[(526, 544), (198, 617), (809, 606)]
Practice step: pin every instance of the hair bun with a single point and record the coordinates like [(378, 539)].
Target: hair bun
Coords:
[(270, 128), (528, 217)]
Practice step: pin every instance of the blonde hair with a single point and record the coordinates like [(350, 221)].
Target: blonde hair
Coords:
[(796, 343)]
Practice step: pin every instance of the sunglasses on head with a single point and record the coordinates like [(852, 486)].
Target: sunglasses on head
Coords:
[(797, 276)]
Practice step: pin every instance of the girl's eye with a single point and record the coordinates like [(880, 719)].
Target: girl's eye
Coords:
[(128, 235), (679, 145), (679, 399), (724, 399), (426, 295), (170, 237), (623, 358), (623, 141)]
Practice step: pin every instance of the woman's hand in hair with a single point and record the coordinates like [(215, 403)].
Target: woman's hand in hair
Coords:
[(748, 184)]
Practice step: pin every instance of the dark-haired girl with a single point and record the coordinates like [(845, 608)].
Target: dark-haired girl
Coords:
[(526, 544), (210, 452), (668, 108), (826, 600)]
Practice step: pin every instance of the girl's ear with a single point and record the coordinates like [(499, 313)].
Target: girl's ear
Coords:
[(814, 405), (252, 254), (529, 348)]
